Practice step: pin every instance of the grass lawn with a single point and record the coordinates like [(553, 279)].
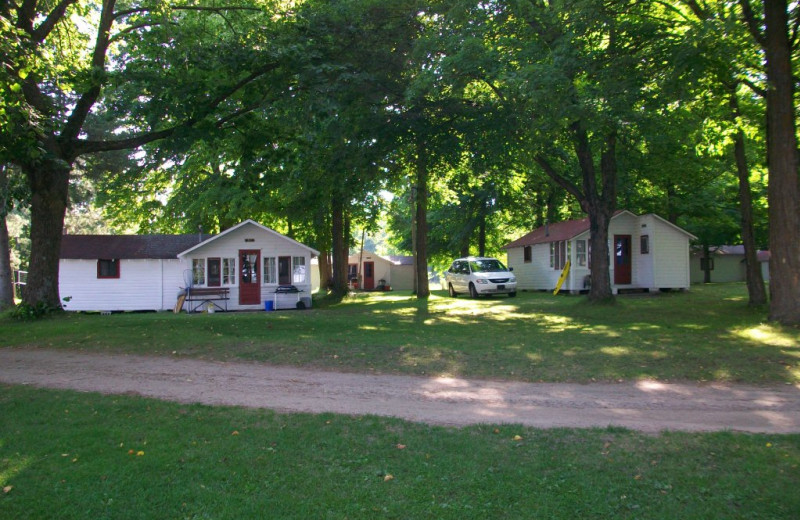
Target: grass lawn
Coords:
[(707, 334), (68, 455)]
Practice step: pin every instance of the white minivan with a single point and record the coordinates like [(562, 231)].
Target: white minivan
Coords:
[(480, 275)]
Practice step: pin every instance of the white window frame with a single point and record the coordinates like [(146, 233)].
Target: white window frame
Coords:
[(229, 271), (270, 270), (299, 276), (198, 271)]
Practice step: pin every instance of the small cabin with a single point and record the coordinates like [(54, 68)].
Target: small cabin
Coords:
[(648, 253), (369, 271), (239, 269)]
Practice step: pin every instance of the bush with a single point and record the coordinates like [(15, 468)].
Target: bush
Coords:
[(27, 312)]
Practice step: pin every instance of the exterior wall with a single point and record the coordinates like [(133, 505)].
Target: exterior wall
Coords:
[(727, 268), (150, 284), (671, 262), (536, 275), (268, 243), (644, 274), (402, 277)]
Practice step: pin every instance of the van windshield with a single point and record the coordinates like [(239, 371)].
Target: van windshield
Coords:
[(487, 266)]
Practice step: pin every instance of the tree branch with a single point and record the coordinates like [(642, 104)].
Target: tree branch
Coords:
[(752, 23), (25, 15), (759, 91), (128, 12), (84, 147), (46, 27), (560, 179), (84, 105), (81, 147)]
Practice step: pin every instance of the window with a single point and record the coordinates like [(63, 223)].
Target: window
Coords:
[(108, 268), (229, 271), (198, 271), (526, 254), (299, 269), (580, 252), (270, 274), (558, 254), (644, 244), (352, 272)]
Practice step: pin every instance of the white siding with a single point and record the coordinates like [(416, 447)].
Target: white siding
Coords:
[(537, 274), (142, 285), (252, 237), (671, 248)]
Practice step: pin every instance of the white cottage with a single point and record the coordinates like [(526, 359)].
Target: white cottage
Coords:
[(648, 253), (242, 268), (370, 270)]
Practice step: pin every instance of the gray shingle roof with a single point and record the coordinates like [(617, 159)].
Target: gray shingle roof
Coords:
[(127, 246)]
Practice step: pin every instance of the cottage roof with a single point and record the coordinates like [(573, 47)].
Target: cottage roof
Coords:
[(552, 233), (570, 229), (248, 222), (401, 260), (127, 246)]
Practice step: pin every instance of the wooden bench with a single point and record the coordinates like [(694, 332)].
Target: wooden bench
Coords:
[(206, 295)]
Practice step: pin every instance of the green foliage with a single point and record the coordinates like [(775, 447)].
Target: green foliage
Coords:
[(25, 311)]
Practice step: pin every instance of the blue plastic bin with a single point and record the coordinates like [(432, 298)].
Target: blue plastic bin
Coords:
[(268, 305)]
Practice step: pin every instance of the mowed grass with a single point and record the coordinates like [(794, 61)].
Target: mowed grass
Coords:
[(68, 455), (706, 334)]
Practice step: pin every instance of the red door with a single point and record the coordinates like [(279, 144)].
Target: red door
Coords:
[(622, 259), (249, 283), (369, 276)]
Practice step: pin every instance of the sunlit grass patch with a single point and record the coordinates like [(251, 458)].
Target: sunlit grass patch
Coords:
[(677, 336), (769, 335)]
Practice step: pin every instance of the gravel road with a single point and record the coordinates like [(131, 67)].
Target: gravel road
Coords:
[(647, 406)]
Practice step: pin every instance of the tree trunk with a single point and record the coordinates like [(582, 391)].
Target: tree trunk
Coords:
[(421, 257), (707, 265), (755, 281), (339, 246), (600, 290), (784, 190), (325, 275), (482, 234), (6, 276), (49, 184), (600, 207)]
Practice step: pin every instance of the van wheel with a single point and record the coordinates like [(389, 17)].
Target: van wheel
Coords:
[(452, 291), (472, 292)]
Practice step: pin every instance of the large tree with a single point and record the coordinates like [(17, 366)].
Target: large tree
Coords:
[(580, 76), (775, 29), (158, 69)]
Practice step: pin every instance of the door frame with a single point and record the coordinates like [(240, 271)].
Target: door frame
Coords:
[(250, 292), (218, 280), (623, 274), (288, 279), (369, 283)]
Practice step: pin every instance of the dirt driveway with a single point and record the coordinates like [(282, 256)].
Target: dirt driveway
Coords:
[(646, 405)]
